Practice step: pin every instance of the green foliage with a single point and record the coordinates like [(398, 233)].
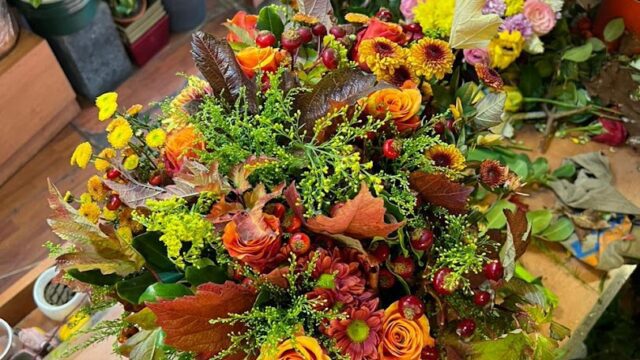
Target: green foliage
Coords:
[(123, 8)]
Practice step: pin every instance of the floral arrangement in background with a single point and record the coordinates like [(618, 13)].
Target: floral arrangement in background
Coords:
[(319, 194)]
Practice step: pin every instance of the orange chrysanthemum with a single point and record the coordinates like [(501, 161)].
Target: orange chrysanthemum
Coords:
[(398, 75), (431, 58), (305, 19), (380, 54), (446, 156), (490, 77)]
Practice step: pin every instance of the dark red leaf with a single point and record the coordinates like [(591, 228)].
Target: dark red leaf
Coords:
[(439, 190)]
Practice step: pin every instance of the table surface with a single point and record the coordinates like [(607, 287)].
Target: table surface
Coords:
[(584, 293)]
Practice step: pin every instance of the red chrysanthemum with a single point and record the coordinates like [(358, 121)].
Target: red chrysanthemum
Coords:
[(490, 77), (358, 335), (493, 174)]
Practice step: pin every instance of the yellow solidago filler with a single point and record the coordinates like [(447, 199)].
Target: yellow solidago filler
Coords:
[(505, 48), (155, 138), (95, 188), (380, 53), (131, 162), (356, 18), (119, 136), (514, 7), (125, 233), (134, 110), (431, 57), (82, 155), (514, 99), (435, 16), (90, 210), (108, 214), (85, 198), (447, 156), (101, 162), (107, 104)]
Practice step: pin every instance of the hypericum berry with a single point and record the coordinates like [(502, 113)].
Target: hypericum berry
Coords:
[(291, 223), (466, 328), (306, 35), (338, 32), (265, 39), (113, 174), (413, 27), (439, 128), (276, 209), (493, 270), (451, 125), (422, 240), (429, 353), (403, 266), (391, 149), (114, 202), (319, 30), (386, 279), (481, 298), (300, 243), (156, 180), (290, 41), (411, 308), (329, 58), (440, 282), (384, 14), (334, 209), (380, 250)]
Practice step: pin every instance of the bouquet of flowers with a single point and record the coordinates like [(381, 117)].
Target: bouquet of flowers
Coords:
[(312, 197)]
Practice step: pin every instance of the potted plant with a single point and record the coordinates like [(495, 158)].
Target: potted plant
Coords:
[(185, 15), (127, 11), (57, 17), (56, 301)]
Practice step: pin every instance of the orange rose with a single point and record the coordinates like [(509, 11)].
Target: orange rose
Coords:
[(180, 144), (377, 28), (402, 105), (403, 339), (245, 22), (252, 59), (253, 238), (304, 348)]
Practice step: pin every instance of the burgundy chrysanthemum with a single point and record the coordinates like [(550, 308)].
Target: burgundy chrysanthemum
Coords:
[(358, 336), (493, 174)]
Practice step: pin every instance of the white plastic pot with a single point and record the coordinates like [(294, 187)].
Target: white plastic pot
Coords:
[(57, 313), (8, 341)]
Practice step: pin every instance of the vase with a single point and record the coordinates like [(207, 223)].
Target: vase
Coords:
[(185, 15), (8, 29), (58, 17), (56, 312)]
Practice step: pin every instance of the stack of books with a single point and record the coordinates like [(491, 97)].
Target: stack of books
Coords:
[(148, 35)]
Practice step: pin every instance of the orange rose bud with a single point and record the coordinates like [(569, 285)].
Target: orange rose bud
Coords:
[(304, 348), (403, 339), (253, 238), (245, 22), (181, 144), (403, 106), (253, 59)]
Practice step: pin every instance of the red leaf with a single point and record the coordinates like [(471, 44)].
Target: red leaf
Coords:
[(438, 190), (361, 217), (186, 320)]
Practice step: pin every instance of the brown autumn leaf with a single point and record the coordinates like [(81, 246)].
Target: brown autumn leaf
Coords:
[(361, 217), (439, 190), (186, 323), (519, 227)]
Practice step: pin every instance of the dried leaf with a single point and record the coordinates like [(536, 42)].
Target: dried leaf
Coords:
[(519, 228), (320, 9), (217, 62), (470, 28), (134, 194), (93, 249), (438, 190), (241, 172), (489, 110), (199, 178), (361, 217), (259, 197), (186, 320)]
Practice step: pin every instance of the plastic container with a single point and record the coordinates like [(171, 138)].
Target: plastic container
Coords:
[(57, 313), (8, 29), (9, 343), (185, 15), (58, 17)]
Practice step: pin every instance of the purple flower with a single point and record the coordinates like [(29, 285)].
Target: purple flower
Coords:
[(497, 7), (476, 56), (406, 7), (517, 23)]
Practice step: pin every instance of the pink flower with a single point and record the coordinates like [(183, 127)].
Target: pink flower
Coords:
[(615, 134), (406, 7), (476, 56), (358, 335), (540, 15)]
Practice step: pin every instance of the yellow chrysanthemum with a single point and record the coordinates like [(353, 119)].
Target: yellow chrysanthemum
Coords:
[(107, 104), (101, 162), (505, 48), (398, 75), (380, 54), (119, 137), (427, 90), (357, 18), (85, 198), (305, 19), (108, 214), (514, 99), (134, 110), (514, 7), (156, 137), (446, 156), (116, 122), (431, 58), (131, 162), (95, 188), (90, 210), (125, 233), (435, 16), (82, 155)]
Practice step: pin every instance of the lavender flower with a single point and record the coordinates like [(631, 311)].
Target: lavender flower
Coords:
[(497, 7), (517, 23)]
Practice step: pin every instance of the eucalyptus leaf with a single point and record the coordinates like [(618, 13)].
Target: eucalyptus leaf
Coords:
[(559, 230), (508, 255), (614, 29), (489, 110), (539, 220), (268, 19), (579, 54)]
